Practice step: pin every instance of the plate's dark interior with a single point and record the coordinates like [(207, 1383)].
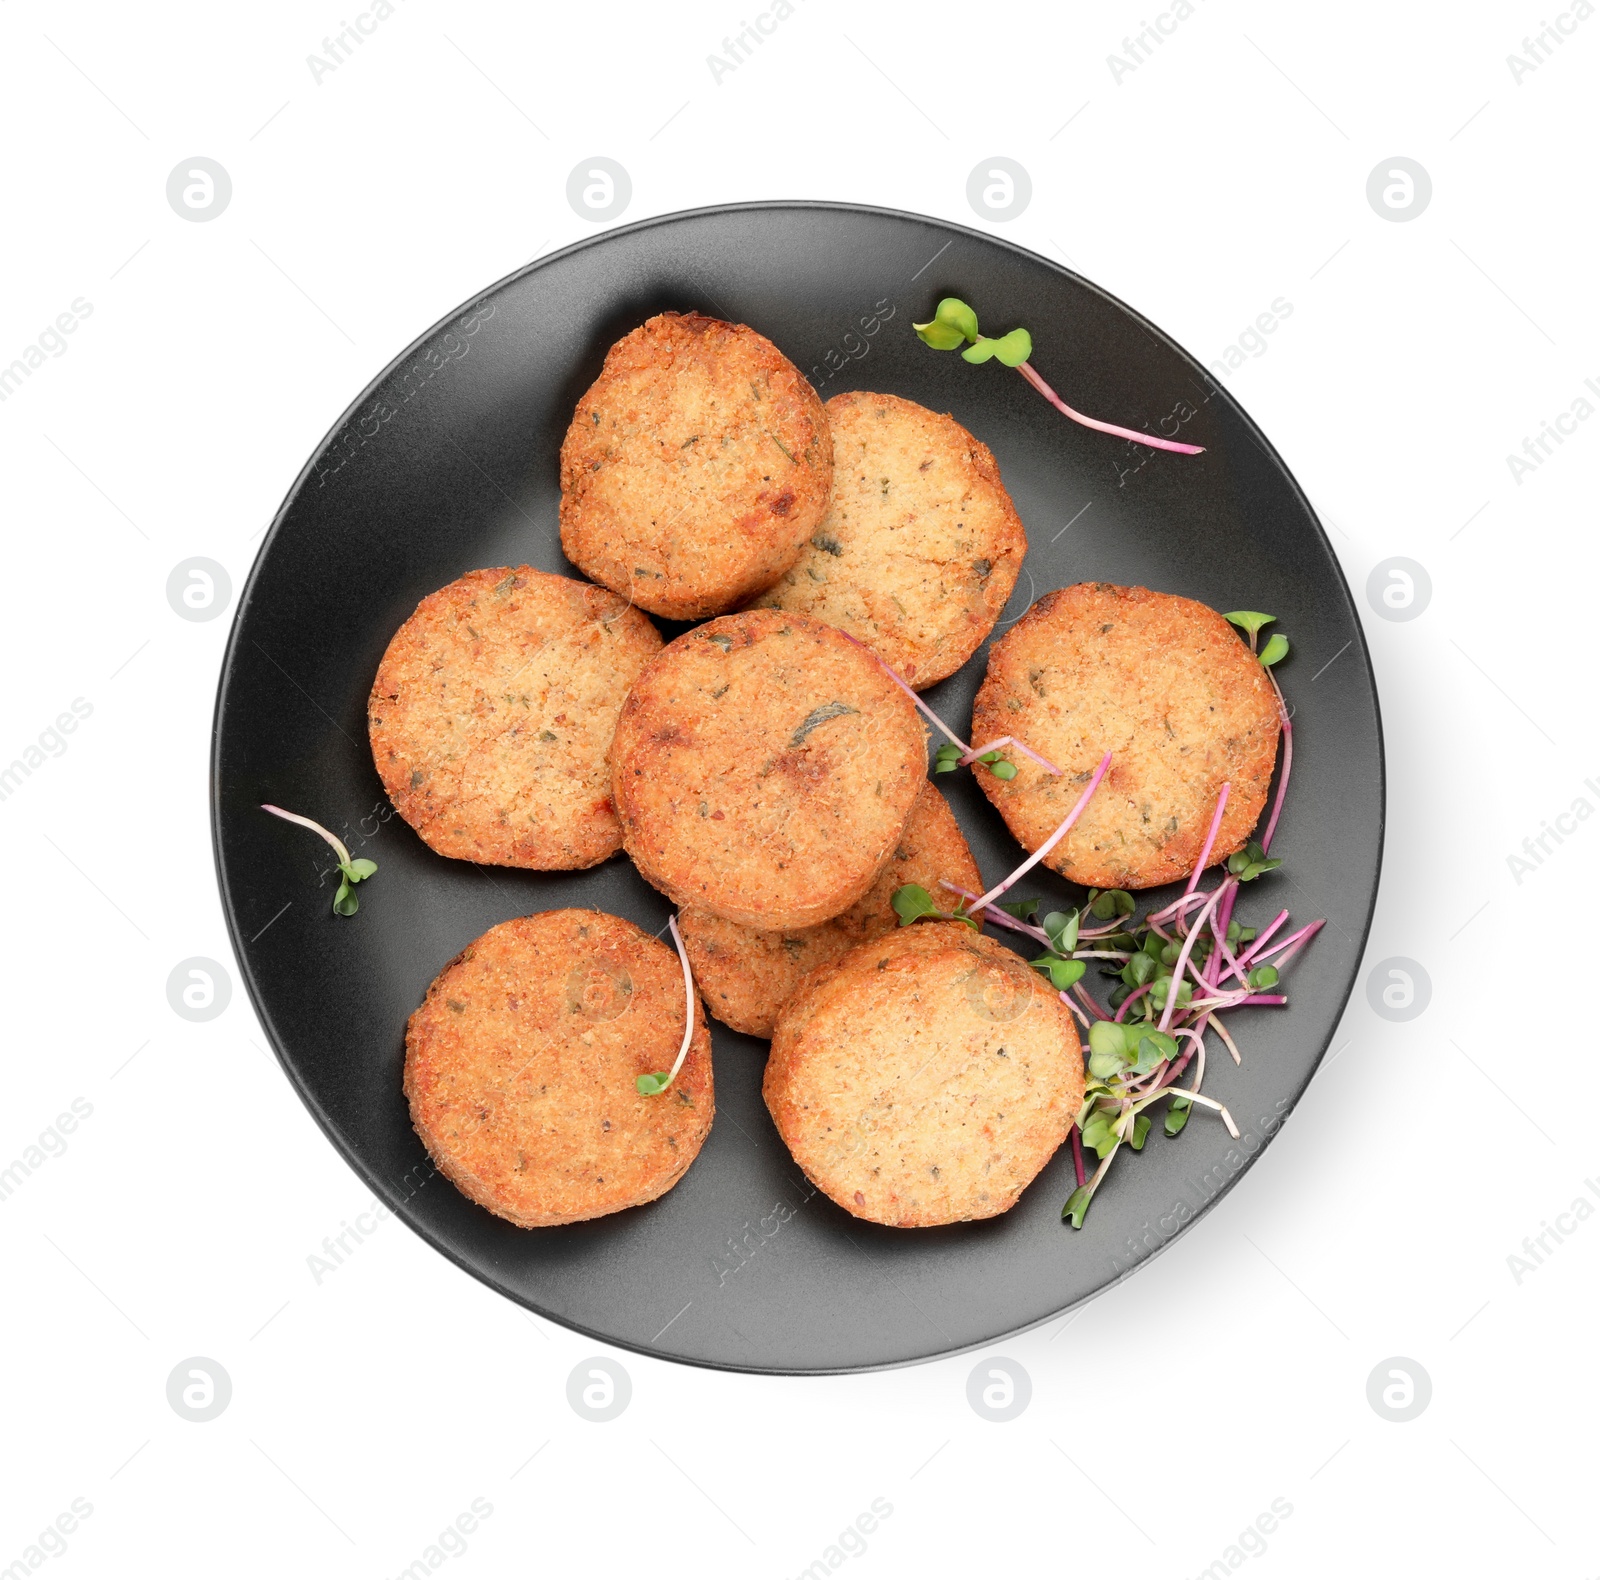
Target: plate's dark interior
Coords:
[(449, 462)]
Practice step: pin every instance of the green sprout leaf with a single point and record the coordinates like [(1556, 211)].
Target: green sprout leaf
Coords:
[(651, 1085), (1100, 1134), (1247, 865), (1153, 1047), (952, 323), (1077, 1205), (1108, 1049), (941, 337), (1004, 770), (912, 902), (1141, 1129), (1010, 349), (1248, 620), (1162, 986), (1276, 648), (351, 873), (1177, 1115), (1264, 977), (1062, 973), (1061, 928), (1023, 910), (1112, 902), (947, 759)]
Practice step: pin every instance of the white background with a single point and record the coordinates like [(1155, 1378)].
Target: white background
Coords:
[(369, 1410)]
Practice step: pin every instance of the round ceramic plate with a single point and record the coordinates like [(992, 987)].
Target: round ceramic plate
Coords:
[(448, 462)]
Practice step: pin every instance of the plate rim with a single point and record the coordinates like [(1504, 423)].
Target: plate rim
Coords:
[(398, 1203)]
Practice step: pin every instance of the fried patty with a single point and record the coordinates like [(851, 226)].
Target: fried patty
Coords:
[(925, 1077), (1163, 683), (520, 1069), (696, 466), (492, 714), (921, 544), (764, 767), (748, 975)]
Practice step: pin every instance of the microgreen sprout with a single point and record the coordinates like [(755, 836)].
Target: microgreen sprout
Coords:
[(913, 903), (954, 323), (1248, 864), (653, 1084), (1251, 623), (351, 870)]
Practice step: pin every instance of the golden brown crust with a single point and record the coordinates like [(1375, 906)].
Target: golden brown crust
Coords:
[(921, 544), (1166, 686), (696, 466), (492, 714), (748, 975), (764, 766), (926, 1077), (521, 1061)]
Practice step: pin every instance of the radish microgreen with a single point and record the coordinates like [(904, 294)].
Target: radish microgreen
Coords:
[(352, 870), (657, 1081), (955, 753), (1251, 623), (1248, 864), (913, 903), (954, 324)]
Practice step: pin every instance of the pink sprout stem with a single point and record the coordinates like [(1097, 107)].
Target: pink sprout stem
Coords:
[(1066, 998), (1294, 944), (1259, 941), (1235, 967), (1077, 1155), (1175, 910), (1228, 1042), (1027, 371), (316, 828), (1088, 1003), (889, 670), (997, 917), (1183, 959), (1054, 840), (1010, 740), (1288, 761), (688, 1003), (1225, 911), (1133, 998), (1211, 839)]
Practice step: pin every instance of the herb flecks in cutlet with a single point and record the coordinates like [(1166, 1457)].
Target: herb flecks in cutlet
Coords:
[(829, 710)]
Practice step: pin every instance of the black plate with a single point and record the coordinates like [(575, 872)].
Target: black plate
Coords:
[(448, 463)]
